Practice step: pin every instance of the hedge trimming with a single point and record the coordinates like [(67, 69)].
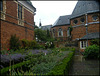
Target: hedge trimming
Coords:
[(63, 68)]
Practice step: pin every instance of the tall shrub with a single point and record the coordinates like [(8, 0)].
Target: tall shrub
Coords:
[(14, 42), (92, 52)]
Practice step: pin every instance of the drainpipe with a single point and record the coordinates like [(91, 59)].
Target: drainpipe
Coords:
[(86, 25)]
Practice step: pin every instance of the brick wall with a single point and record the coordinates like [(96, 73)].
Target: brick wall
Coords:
[(64, 28), (80, 30), (10, 26)]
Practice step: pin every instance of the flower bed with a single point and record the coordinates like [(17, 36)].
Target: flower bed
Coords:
[(42, 63)]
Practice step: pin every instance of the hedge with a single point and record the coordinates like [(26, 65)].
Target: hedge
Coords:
[(4, 70), (63, 68)]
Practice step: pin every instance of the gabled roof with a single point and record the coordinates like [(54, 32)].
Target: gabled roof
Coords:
[(91, 36), (46, 27), (62, 20), (83, 7)]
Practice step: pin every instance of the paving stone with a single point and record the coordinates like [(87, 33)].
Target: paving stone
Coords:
[(84, 67)]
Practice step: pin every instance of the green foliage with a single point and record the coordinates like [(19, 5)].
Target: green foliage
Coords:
[(62, 68), (57, 62), (4, 70), (46, 67), (14, 42), (43, 36), (40, 34), (92, 52), (95, 41), (30, 44)]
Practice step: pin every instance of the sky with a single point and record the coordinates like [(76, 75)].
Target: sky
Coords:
[(49, 11)]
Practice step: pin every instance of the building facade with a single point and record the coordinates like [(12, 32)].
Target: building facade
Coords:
[(85, 22), (17, 17), (60, 27)]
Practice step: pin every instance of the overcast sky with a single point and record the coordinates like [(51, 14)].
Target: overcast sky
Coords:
[(49, 11)]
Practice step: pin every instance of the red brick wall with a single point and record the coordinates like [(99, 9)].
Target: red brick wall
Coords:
[(80, 31), (10, 26), (64, 28)]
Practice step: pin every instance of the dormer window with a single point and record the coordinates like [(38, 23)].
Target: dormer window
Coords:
[(95, 17), (75, 21), (82, 19)]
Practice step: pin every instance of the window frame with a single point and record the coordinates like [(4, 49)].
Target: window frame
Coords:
[(20, 14), (60, 31), (95, 15), (3, 11), (81, 20), (74, 22), (83, 44)]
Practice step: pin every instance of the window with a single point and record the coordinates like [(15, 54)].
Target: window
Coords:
[(1, 5), (2, 9), (83, 44), (60, 32), (68, 32), (20, 15), (53, 32), (75, 21), (95, 17), (19, 11), (82, 20)]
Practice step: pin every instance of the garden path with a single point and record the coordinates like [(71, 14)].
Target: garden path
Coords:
[(84, 67)]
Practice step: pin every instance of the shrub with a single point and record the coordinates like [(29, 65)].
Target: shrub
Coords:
[(63, 67), (92, 52), (14, 42), (95, 41), (32, 44)]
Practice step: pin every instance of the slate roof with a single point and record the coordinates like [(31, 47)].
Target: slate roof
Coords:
[(30, 3), (83, 7), (62, 20), (46, 27), (91, 36)]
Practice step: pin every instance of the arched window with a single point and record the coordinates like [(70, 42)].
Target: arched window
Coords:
[(75, 21), (60, 32), (82, 20)]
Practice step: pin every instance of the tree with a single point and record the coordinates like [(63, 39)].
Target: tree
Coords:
[(40, 34)]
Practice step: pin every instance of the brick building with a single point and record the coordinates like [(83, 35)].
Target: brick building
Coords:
[(85, 22), (60, 27), (16, 17)]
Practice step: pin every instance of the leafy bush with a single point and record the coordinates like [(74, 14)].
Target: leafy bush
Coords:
[(32, 44), (63, 67), (92, 52), (14, 42), (95, 41)]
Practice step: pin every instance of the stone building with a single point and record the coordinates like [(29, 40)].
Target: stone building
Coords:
[(85, 22), (17, 17), (60, 27)]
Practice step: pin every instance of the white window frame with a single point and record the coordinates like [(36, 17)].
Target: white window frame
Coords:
[(84, 44)]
